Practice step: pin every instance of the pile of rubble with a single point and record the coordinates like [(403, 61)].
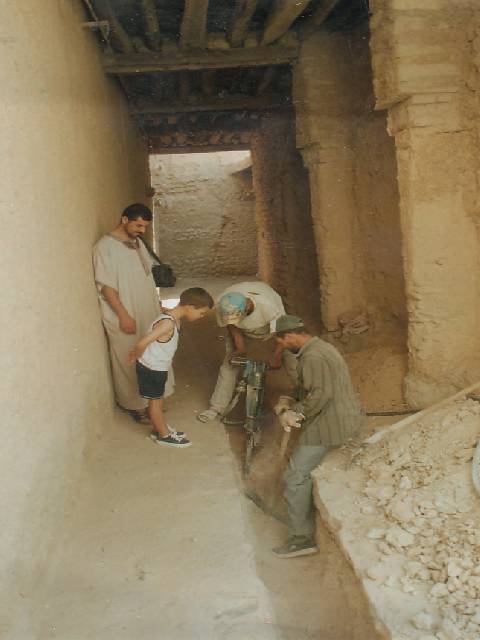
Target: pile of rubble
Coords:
[(406, 514)]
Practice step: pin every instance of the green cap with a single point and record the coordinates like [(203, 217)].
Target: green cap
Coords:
[(288, 323)]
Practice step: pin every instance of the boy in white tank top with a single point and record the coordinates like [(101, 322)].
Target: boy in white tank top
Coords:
[(154, 354)]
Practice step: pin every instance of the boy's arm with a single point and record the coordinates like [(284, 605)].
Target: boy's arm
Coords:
[(162, 331)]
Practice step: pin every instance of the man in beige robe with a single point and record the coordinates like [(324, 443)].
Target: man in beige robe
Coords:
[(129, 300)]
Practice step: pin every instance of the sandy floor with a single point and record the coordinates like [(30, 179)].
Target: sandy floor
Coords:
[(163, 545)]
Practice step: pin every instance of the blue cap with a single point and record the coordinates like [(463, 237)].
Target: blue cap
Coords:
[(231, 308)]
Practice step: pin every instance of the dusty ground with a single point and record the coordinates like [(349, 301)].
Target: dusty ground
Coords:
[(162, 544)]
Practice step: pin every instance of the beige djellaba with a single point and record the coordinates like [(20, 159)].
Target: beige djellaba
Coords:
[(127, 268)]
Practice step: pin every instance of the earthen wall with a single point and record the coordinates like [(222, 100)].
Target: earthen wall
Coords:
[(204, 213), (352, 167), (286, 246), (426, 75), (70, 162)]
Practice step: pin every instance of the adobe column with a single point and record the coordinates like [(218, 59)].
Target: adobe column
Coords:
[(332, 205), (426, 74), (321, 81)]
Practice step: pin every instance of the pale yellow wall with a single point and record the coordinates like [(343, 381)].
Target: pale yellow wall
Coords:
[(426, 63), (70, 162), (353, 181)]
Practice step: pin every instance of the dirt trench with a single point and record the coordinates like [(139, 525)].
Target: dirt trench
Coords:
[(163, 544)]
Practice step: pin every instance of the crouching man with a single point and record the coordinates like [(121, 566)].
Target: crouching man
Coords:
[(328, 413)]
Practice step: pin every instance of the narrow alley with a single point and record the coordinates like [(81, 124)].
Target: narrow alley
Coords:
[(324, 152), (164, 544)]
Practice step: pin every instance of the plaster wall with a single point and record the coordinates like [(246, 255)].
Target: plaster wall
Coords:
[(286, 245), (204, 213), (352, 166), (426, 73), (70, 162)]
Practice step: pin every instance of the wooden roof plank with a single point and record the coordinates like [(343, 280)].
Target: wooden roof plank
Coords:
[(244, 10), (281, 18), (233, 103), (319, 17), (193, 30), (118, 36), (152, 27), (135, 63)]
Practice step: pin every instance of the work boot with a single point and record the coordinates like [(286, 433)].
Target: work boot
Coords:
[(296, 546)]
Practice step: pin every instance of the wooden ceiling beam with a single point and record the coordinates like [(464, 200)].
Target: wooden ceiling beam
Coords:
[(244, 10), (193, 30), (118, 37), (184, 86), (318, 18), (281, 18), (267, 80), (156, 147), (152, 28), (135, 63), (234, 103), (208, 82)]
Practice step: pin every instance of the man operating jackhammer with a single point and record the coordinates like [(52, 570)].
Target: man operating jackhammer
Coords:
[(327, 411), (248, 311)]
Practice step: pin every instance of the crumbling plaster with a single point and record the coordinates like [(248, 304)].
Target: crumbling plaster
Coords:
[(71, 161)]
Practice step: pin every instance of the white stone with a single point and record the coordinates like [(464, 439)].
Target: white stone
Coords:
[(408, 587), (377, 572), (384, 547), (453, 569), (367, 509), (398, 537), (405, 483), (413, 569), (439, 590), (451, 630), (376, 534), (423, 621), (380, 492), (390, 581), (476, 618), (402, 510)]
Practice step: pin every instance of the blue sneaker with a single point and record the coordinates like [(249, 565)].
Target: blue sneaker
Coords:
[(173, 439)]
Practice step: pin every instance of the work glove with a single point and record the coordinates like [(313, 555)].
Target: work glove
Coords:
[(284, 403), (290, 420)]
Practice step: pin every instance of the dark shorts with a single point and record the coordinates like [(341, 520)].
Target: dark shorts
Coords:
[(151, 383)]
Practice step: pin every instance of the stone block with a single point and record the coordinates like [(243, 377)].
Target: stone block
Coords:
[(428, 78), (418, 5)]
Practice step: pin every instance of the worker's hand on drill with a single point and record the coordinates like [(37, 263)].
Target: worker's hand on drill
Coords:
[(283, 403), (274, 363), (290, 419), (236, 354)]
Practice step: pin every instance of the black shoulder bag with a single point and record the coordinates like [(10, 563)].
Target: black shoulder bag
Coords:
[(162, 273)]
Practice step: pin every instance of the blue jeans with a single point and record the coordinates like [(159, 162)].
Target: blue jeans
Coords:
[(298, 488)]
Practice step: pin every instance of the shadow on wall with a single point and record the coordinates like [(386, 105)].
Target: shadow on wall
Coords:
[(204, 213)]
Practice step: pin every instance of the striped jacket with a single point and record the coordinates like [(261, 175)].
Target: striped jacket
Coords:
[(327, 398)]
